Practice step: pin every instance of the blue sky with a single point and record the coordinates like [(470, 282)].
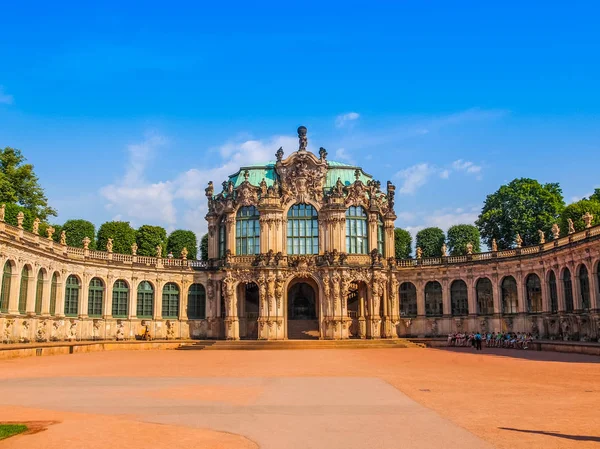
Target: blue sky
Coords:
[(127, 111)]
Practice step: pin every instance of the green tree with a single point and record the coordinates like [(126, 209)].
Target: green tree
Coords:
[(430, 240), (459, 236), (148, 238), (77, 230), (182, 239), (44, 234), (11, 212), (121, 232), (19, 184), (575, 211), (204, 247), (595, 196), (522, 206), (402, 243)]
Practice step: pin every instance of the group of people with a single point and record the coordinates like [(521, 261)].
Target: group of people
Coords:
[(516, 340)]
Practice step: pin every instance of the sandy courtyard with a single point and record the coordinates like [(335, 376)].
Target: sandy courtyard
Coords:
[(352, 399)]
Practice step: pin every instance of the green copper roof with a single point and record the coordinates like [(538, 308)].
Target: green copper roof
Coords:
[(258, 172)]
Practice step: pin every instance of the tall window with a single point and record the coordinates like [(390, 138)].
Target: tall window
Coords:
[(485, 297), (534, 294), (553, 292), (510, 301), (145, 300), (568, 288), (408, 300), (302, 230), (196, 308), (357, 241), (459, 298), (584, 287), (24, 290), (247, 231), (72, 287), (95, 297), (53, 290), (433, 299), (5, 293), (39, 292), (380, 235), (170, 301), (120, 299), (222, 238)]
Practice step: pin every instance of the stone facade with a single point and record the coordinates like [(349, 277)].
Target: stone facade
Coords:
[(298, 246)]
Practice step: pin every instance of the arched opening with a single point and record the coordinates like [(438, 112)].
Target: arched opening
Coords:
[(24, 290), (302, 230), (95, 297), (459, 298), (5, 293), (145, 300), (357, 241), (302, 313), (510, 301), (72, 288), (196, 309), (53, 293), (553, 292), (408, 300), (356, 306), (568, 288), (433, 299), (120, 299), (584, 288), (248, 310), (485, 297), (534, 293), (39, 292), (170, 301), (247, 231)]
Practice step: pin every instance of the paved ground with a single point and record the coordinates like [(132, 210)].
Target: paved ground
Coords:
[(388, 398)]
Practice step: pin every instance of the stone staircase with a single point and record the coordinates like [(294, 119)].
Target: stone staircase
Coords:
[(252, 345)]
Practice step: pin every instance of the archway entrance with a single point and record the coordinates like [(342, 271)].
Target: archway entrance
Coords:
[(302, 311), (248, 310)]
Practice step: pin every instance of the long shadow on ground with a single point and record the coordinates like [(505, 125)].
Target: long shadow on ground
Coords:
[(556, 434), (542, 356)]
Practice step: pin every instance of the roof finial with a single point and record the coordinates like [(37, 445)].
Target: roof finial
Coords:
[(357, 174), (246, 175), (303, 141)]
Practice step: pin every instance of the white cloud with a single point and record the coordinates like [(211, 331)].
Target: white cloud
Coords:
[(445, 174), (344, 119), (467, 166), (414, 177), (4, 97), (342, 155)]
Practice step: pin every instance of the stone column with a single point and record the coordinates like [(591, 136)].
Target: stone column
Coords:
[(521, 293), (132, 300), (158, 299), (183, 300), (83, 298), (560, 292), (46, 294), (471, 296), (232, 329), (31, 293), (446, 299), (230, 234), (15, 289), (545, 292), (108, 298), (60, 295), (497, 292), (420, 285), (577, 306), (594, 292), (362, 328), (372, 231)]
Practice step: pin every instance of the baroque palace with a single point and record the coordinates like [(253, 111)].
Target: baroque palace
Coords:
[(301, 247)]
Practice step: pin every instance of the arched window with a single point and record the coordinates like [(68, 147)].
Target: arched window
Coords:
[(95, 297), (72, 288), (196, 309), (302, 230), (170, 301), (247, 231), (24, 290), (534, 294), (459, 298), (433, 299), (5, 293), (568, 288), (408, 300), (380, 236), (120, 299), (584, 287), (145, 300), (357, 241), (39, 292), (553, 292), (53, 290), (222, 238), (485, 297), (510, 301)]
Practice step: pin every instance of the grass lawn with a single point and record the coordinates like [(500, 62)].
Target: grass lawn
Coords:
[(8, 430)]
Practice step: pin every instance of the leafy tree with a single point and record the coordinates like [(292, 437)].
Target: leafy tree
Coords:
[(57, 230), (459, 236), (575, 211), (430, 240), (595, 196), (121, 232), (148, 237), (402, 243), (522, 206), (182, 239), (204, 247), (19, 184), (11, 212), (77, 230)]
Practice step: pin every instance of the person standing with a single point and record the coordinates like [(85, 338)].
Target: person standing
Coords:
[(478, 341)]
